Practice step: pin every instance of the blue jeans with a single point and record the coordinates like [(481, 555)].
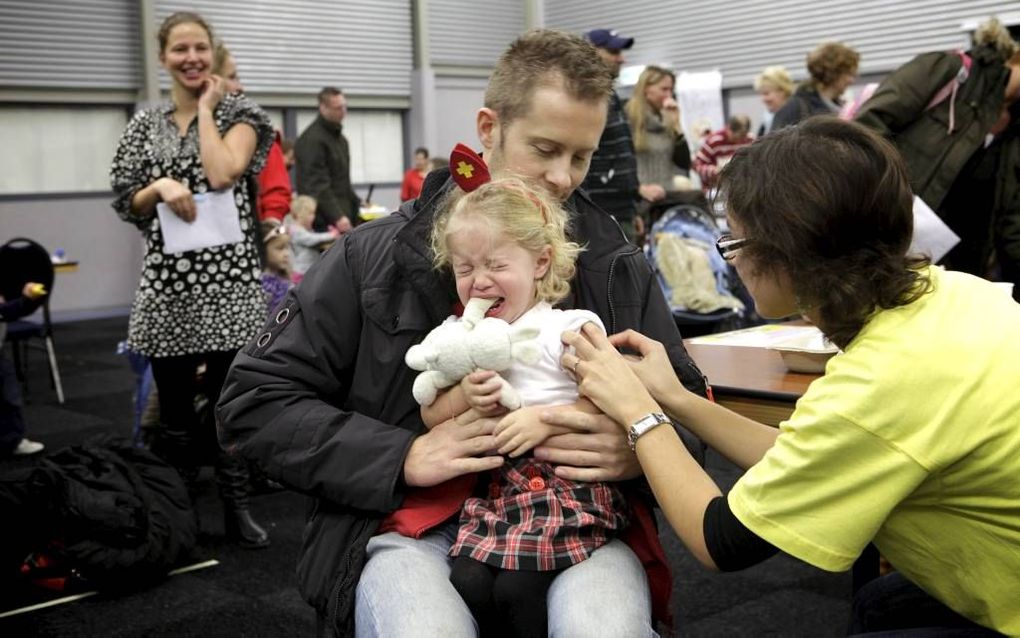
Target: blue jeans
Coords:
[(892, 606), (405, 590)]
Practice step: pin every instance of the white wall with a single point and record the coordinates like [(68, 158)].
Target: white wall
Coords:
[(457, 102), (108, 250)]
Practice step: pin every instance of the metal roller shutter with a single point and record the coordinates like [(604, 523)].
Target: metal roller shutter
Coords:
[(741, 38), (472, 33), (64, 44), (298, 46)]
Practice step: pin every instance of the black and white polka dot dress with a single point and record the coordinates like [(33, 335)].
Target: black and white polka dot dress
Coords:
[(204, 300)]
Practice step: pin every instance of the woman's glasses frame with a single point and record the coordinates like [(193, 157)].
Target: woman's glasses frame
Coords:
[(728, 246)]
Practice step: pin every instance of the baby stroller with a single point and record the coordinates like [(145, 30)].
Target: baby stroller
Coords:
[(703, 291)]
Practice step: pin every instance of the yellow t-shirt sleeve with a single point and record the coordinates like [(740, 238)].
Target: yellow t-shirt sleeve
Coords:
[(825, 488)]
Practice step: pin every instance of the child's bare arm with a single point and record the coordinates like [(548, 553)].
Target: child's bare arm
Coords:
[(448, 404), (522, 430), (478, 390)]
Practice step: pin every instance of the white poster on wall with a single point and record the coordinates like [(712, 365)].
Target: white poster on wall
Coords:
[(701, 106)]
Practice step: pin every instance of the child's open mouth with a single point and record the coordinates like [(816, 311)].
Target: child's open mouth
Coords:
[(495, 308)]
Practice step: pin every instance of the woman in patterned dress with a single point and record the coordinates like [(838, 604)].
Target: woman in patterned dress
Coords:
[(194, 308)]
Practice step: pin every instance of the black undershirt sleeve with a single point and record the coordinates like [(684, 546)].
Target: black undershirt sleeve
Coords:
[(731, 545)]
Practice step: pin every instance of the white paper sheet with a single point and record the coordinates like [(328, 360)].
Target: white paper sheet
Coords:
[(701, 104), (216, 223), (765, 336), (931, 235)]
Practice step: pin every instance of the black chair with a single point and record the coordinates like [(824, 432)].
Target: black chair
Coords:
[(21, 261)]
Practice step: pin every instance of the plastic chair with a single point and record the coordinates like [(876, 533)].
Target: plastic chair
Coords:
[(21, 261)]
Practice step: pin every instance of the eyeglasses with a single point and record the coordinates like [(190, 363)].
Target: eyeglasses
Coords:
[(728, 246)]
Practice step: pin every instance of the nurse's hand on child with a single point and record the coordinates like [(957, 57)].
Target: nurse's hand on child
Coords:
[(621, 385)]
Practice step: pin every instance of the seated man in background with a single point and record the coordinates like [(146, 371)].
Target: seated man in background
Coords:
[(322, 398), (12, 420), (719, 147)]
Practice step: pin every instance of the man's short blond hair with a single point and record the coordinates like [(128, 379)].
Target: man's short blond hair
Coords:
[(545, 57)]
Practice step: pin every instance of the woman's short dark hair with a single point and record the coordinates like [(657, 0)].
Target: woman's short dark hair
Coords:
[(828, 204)]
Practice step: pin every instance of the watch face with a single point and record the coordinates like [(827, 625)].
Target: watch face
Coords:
[(645, 424)]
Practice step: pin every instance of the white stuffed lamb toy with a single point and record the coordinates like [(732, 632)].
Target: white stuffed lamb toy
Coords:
[(455, 349)]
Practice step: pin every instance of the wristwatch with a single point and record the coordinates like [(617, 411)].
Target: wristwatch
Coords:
[(644, 424)]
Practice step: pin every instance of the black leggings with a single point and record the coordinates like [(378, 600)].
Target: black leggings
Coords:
[(186, 441), (503, 602)]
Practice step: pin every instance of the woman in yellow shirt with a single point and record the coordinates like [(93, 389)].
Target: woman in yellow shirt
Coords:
[(910, 440)]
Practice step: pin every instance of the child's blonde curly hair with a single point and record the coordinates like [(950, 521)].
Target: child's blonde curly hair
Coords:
[(526, 216)]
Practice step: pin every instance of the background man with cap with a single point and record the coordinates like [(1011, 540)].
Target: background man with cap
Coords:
[(612, 179)]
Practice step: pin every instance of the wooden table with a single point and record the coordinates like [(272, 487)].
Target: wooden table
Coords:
[(750, 380), (65, 266)]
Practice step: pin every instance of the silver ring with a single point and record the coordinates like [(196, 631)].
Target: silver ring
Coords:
[(576, 363)]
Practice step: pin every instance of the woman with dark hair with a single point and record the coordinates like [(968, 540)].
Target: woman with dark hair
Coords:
[(910, 440)]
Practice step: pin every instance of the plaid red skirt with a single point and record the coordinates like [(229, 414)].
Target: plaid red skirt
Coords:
[(537, 521)]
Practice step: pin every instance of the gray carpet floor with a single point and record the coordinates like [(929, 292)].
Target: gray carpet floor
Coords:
[(252, 593)]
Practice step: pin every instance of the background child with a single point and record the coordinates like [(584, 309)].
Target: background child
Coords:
[(12, 419), (276, 279), (304, 241), (507, 242)]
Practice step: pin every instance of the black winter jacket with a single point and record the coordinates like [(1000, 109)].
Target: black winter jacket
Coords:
[(117, 515), (933, 154), (322, 398), (805, 102), (324, 172)]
